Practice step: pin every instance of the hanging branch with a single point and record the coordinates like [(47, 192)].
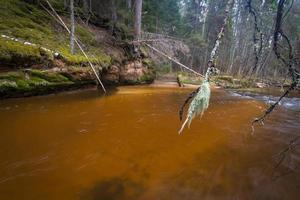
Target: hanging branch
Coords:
[(288, 62), (256, 39), (201, 95)]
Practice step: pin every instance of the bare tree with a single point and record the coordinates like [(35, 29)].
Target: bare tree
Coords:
[(72, 34)]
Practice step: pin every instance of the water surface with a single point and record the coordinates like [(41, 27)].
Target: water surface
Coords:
[(124, 145)]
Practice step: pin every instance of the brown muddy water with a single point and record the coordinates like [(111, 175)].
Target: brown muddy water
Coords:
[(125, 145)]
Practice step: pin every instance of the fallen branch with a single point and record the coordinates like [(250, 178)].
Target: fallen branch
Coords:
[(151, 40), (172, 59)]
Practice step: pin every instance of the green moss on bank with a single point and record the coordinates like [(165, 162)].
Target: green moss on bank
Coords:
[(36, 82), (224, 81), (147, 78), (29, 23), (230, 82), (18, 54)]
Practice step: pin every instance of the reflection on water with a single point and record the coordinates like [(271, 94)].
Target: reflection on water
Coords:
[(125, 146)]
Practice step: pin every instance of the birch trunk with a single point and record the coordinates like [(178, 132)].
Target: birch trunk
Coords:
[(129, 3), (72, 34)]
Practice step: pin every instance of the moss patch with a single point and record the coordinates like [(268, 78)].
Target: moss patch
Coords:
[(17, 54), (147, 78), (230, 82), (48, 76), (36, 82), (32, 24)]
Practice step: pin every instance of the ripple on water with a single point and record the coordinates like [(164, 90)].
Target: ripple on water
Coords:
[(125, 146), (288, 103)]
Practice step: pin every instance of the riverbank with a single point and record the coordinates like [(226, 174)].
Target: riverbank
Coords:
[(35, 56), (32, 82), (231, 82)]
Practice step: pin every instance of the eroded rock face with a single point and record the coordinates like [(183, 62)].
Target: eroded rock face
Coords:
[(132, 72), (136, 72), (111, 75)]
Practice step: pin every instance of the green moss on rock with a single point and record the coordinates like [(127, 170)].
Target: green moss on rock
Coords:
[(15, 53), (147, 78), (32, 24), (49, 76), (36, 82)]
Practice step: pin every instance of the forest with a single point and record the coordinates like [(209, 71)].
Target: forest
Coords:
[(148, 99)]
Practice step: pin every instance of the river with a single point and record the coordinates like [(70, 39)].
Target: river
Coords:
[(83, 145)]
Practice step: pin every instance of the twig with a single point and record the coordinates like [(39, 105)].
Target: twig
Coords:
[(272, 107)]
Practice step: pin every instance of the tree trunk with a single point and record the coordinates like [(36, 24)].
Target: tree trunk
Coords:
[(66, 4), (138, 19), (114, 16), (129, 3), (72, 34), (86, 10)]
